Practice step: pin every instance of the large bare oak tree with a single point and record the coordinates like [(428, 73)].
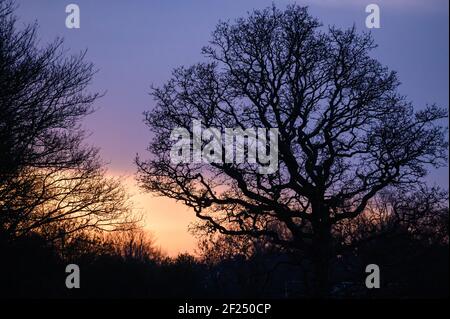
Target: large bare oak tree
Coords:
[(345, 133)]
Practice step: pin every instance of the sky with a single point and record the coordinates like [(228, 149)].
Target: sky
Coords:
[(136, 44)]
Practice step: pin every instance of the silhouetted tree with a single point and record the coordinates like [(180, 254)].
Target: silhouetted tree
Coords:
[(345, 133), (49, 180), (136, 244), (405, 231), (421, 213)]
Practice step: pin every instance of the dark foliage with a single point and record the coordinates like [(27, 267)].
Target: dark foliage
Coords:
[(410, 269)]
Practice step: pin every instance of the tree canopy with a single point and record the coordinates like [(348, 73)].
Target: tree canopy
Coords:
[(345, 132)]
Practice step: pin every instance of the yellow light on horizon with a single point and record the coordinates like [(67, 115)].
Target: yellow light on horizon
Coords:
[(166, 219)]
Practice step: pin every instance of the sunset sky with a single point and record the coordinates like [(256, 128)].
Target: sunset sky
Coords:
[(137, 43)]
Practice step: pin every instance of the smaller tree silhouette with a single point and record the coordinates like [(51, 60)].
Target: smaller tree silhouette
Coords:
[(50, 181)]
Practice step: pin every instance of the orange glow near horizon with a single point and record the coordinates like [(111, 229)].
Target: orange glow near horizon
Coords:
[(164, 218)]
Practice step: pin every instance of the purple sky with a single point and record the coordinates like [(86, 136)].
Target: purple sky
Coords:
[(137, 43)]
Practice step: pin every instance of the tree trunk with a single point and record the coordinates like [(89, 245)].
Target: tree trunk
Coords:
[(321, 264), (321, 253)]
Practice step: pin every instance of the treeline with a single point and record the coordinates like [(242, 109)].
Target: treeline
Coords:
[(414, 264), (406, 237)]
